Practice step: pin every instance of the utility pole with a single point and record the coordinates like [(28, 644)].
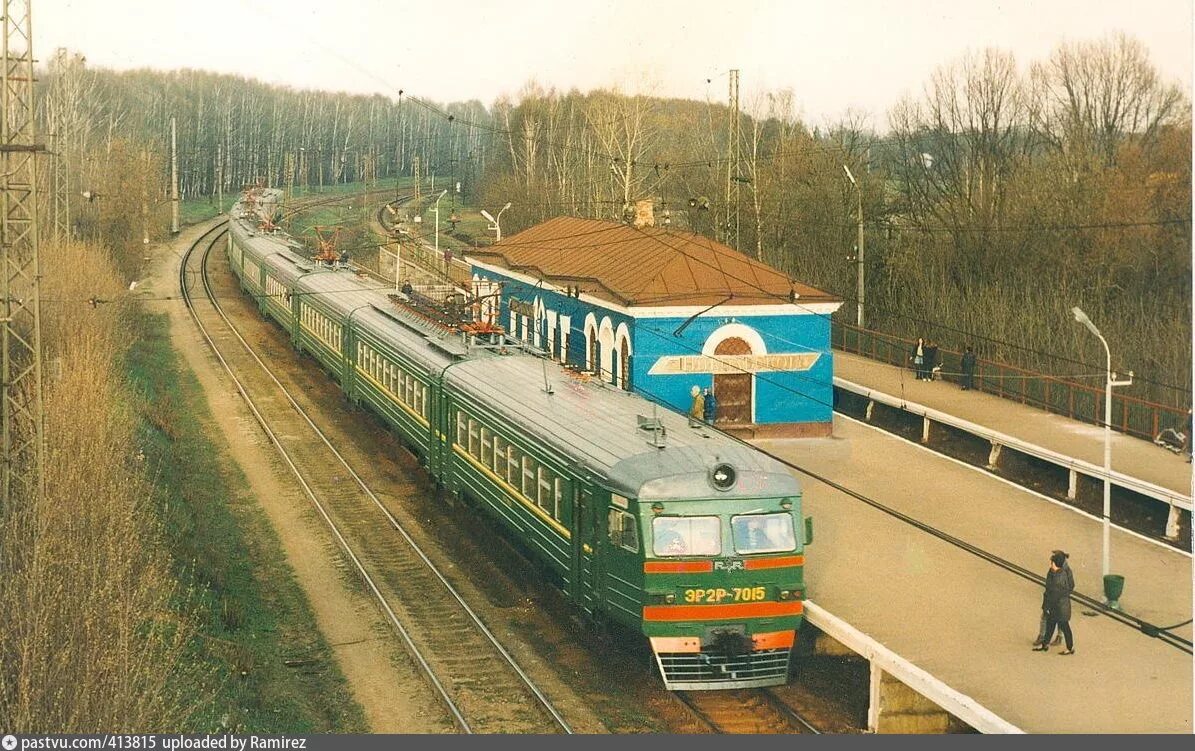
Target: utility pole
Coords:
[(22, 426), (290, 174), (415, 178), (732, 166), (58, 166), (173, 177), (145, 197), (220, 178)]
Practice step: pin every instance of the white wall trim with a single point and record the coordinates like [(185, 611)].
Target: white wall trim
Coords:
[(734, 331)]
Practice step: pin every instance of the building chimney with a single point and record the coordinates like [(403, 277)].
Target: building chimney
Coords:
[(644, 213)]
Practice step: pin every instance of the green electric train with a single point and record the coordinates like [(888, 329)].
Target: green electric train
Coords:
[(683, 534)]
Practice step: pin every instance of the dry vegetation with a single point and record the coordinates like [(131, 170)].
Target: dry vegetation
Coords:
[(95, 621)]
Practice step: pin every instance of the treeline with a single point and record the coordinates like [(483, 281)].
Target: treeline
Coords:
[(109, 127), (999, 198), (993, 202)]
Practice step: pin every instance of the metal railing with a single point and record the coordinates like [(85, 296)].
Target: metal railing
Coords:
[(1079, 401)]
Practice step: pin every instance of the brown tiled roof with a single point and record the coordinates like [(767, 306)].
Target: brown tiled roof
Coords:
[(645, 266)]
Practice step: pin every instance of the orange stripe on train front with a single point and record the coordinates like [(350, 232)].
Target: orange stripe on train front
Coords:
[(754, 564), (720, 612), (677, 567), (774, 640)]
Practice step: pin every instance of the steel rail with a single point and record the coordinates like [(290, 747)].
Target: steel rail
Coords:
[(393, 522), (1149, 629), (451, 705), (789, 714)]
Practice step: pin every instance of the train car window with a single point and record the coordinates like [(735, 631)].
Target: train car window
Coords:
[(544, 497), (514, 463), (622, 530), (499, 466), (686, 535), (474, 437), (462, 429), (487, 447), (557, 497), (763, 533), (529, 467)]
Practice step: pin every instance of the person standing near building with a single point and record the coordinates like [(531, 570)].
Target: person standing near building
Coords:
[(919, 358), (968, 369), (710, 409), (1056, 603), (697, 410)]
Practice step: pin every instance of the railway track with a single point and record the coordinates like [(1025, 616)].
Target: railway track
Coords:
[(480, 684), (1161, 633), (747, 711)]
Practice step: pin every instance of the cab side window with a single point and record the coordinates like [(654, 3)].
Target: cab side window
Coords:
[(622, 530)]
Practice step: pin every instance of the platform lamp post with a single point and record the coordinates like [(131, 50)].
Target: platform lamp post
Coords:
[(436, 209), (1113, 584), (495, 222), (859, 243)]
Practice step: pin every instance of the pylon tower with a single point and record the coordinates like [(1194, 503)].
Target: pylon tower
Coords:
[(731, 230), (20, 330)]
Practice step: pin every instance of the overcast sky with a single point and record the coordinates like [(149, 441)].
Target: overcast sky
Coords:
[(834, 54)]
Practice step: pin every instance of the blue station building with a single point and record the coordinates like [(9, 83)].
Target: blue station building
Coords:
[(660, 311)]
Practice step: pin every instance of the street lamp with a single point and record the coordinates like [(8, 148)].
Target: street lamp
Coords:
[(1111, 590), (436, 208), (494, 222), (859, 254)]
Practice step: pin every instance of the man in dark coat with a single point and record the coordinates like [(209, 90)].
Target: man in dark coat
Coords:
[(968, 369), (1056, 603), (931, 359), (710, 409)]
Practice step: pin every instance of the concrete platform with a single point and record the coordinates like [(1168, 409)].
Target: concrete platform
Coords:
[(971, 624), (1132, 456)]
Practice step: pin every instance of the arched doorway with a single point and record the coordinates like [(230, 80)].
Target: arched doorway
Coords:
[(624, 366), (734, 391), (595, 362)]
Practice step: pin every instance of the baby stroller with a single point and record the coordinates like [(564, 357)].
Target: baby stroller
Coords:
[(1171, 440)]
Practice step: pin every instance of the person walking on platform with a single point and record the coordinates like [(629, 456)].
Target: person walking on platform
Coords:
[(968, 369), (697, 410), (1056, 603), (1070, 580), (710, 410), (919, 358)]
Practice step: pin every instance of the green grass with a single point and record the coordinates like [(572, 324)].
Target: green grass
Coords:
[(254, 617)]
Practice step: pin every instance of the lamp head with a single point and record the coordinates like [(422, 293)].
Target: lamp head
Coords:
[(507, 206), (849, 176), (1082, 318)]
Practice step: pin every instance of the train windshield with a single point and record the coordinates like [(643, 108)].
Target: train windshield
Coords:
[(763, 533), (686, 535)]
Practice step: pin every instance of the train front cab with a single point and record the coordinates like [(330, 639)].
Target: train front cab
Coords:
[(723, 589)]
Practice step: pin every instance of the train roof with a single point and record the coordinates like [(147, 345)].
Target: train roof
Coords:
[(598, 427), (592, 423)]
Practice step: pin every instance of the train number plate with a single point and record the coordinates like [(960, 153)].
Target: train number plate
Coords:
[(729, 594)]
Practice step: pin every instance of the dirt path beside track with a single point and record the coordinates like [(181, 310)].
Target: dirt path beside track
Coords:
[(382, 679)]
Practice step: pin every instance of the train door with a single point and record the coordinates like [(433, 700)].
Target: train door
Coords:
[(585, 551)]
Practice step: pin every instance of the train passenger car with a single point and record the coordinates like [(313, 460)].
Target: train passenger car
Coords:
[(683, 534)]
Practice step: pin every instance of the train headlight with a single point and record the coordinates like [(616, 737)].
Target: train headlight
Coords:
[(784, 594)]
